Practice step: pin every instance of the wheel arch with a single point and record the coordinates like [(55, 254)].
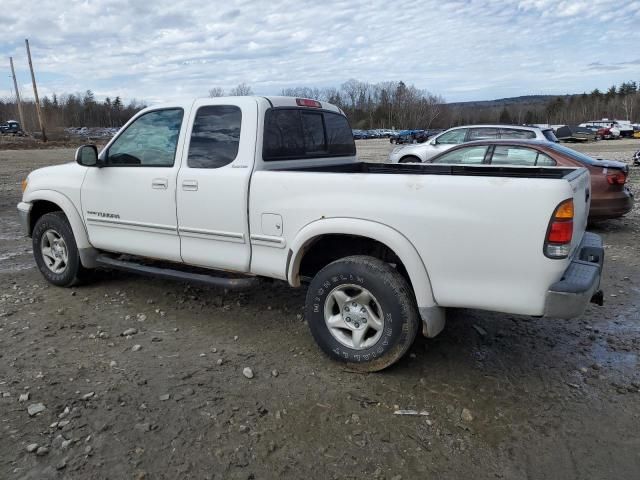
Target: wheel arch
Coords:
[(370, 230), (409, 159), (46, 201)]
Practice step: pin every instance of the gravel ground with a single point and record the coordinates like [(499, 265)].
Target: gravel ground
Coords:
[(135, 378)]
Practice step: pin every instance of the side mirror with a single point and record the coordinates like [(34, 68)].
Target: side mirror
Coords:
[(87, 156), (433, 142)]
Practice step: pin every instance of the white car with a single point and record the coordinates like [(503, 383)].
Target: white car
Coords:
[(422, 152), (271, 187)]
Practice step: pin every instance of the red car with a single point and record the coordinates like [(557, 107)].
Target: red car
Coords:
[(610, 196)]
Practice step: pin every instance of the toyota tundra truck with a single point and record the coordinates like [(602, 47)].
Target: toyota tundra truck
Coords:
[(225, 191)]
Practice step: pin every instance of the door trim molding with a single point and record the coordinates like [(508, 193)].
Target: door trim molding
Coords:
[(129, 224), (236, 237), (268, 240)]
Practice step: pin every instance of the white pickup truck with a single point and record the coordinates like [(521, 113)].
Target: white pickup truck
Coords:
[(272, 187)]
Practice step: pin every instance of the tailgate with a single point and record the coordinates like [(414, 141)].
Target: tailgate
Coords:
[(580, 182)]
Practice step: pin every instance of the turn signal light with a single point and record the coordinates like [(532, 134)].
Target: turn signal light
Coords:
[(25, 182), (560, 231)]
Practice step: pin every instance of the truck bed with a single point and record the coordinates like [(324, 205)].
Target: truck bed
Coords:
[(437, 169)]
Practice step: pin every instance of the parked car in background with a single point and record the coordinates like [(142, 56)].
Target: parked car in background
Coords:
[(574, 133), (608, 129), (11, 127), (457, 135), (610, 196), (409, 137)]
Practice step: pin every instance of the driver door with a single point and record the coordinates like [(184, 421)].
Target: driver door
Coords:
[(129, 205)]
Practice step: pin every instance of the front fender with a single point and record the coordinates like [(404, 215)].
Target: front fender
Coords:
[(390, 237), (69, 209)]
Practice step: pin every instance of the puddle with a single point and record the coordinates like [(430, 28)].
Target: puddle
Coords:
[(11, 261)]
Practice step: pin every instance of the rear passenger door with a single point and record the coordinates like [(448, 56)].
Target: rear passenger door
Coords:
[(213, 184)]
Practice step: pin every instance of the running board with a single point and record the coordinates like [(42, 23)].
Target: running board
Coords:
[(171, 274)]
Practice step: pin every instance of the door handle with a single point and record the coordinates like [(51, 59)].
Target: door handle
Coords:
[(160, 183), (191, 185)]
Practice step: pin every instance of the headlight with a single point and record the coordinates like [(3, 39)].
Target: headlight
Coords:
[(25, 182), (396, 150)]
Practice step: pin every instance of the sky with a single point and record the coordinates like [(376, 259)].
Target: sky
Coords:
[(159, 50)]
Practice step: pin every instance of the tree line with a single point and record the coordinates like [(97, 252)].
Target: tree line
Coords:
[(72, 110), (618, 102), (367, 105)]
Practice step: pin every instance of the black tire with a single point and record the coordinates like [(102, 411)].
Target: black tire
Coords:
[(389, 289), (73, 272), (410, 159)]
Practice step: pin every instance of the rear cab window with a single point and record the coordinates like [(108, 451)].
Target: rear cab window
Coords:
[(298, 133)]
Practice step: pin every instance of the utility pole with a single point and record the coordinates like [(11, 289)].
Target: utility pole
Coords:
[(15, 84), (35, 93)]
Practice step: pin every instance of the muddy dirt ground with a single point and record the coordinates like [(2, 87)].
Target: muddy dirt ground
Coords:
[(543, 399)]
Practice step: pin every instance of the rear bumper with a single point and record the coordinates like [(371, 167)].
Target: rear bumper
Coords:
[(568, 297), (611, 207)]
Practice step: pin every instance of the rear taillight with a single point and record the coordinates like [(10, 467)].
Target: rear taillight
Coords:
[(307, 102), (617, 178), (560, 231)]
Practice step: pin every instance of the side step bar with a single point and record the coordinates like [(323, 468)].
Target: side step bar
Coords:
[(171, 274)]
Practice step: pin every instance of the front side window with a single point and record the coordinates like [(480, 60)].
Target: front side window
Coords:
[(215, 137), (295, 133), (515, 133), (150, 141), (454, 137), (466, 155), (482, 134)]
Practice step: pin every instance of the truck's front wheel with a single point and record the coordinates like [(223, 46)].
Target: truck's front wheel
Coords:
[(362, 312), (55, 250)]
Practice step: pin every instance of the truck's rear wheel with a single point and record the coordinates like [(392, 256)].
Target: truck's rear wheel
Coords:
[(55, 250), (362, 312)]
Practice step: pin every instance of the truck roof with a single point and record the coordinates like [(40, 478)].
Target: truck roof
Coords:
[(273, 100)]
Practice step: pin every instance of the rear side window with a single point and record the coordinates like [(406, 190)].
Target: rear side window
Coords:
[(514, 133), (295, 133), (512, 155), (215, 136), (482, 134)]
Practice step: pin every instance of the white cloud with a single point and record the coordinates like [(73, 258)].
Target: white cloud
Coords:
[(462, 49)]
